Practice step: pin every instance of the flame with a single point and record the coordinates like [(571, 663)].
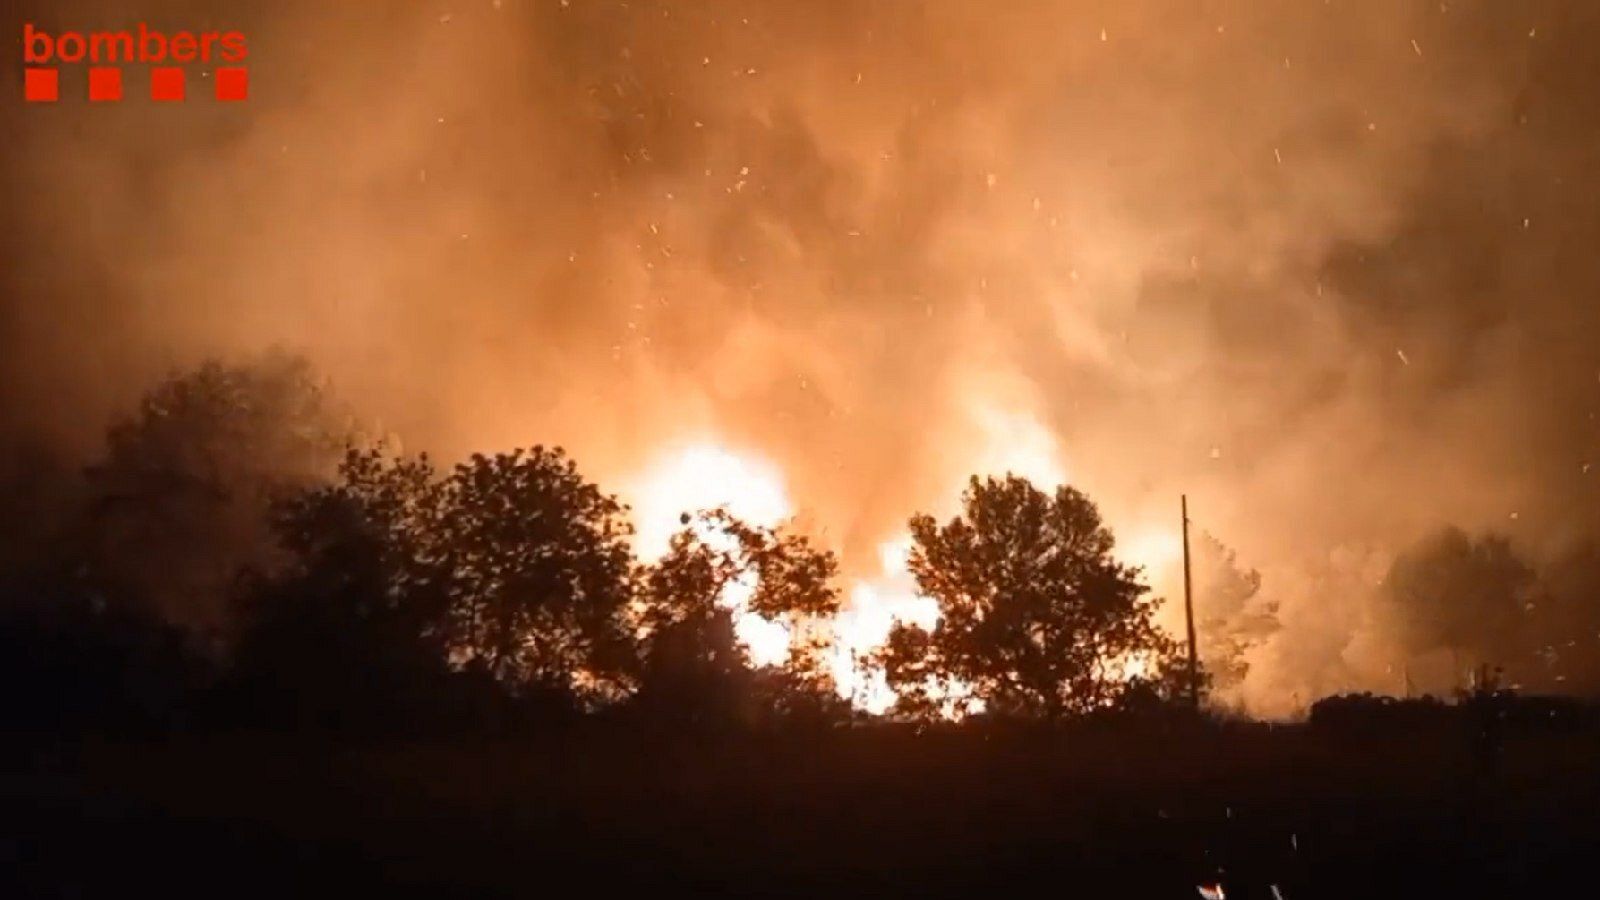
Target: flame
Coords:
[(703, 476), (875, 604)]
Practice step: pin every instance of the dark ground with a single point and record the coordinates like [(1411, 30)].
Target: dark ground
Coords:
[(868, 812)]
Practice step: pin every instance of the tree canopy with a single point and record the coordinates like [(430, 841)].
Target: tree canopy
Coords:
[(178, 504), (692, 661), (1462, 594), (1036, 617), (382, 586), (513, 565), (1232, 618)]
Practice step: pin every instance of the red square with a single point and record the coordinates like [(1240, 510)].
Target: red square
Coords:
[(40, 85), (166, 83), (233, 84), (105, 83)]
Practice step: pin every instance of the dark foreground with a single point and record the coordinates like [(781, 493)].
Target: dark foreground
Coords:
[(862, 812)]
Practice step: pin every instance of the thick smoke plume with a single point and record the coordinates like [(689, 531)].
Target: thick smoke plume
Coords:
[(1325, 267)]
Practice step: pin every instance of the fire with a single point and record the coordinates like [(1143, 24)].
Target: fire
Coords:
[(705, 476), (1155, 550), (874, 606)]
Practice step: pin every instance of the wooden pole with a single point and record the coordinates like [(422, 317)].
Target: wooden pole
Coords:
[(1188, 611)]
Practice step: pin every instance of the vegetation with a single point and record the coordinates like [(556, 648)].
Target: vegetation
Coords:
[(260, 604), (1233, 617), (1036, 617), (1475, 600), (377, 589), (179, 503), (229, 564)]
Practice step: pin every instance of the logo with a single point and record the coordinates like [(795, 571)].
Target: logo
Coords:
[(106, 54)]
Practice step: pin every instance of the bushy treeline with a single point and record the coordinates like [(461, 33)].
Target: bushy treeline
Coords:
[(243, 556), (1474, 600)]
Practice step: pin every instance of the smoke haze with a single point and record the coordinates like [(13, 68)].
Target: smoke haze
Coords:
[(1326, 267)]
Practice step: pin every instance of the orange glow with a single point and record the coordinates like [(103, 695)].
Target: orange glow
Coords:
[(1156, 550), (705, 474), (702, 476)]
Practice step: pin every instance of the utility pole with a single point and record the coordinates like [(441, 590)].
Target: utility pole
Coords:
[(1188, 611)]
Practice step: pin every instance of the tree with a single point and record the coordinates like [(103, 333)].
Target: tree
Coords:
[(1036, 617), (1465, 595), (693, 665), (351, 629), (510, 569), (538, 568), (1566, 621), (179, 502), (1232, 617)]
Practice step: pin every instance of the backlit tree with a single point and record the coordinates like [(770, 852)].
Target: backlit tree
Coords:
[(1036, 616)]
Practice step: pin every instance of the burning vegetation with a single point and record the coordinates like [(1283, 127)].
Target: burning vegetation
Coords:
[(650, 419), (283, 556)]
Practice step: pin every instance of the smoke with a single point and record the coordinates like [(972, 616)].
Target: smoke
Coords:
[(1326, 268)]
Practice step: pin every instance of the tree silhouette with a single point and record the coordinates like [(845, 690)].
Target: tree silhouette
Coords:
[(352, 627), (693, 665), (179, 502), (511, 569), (1468, 596), (538, 567), (1036, 617), (1566, 621)]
